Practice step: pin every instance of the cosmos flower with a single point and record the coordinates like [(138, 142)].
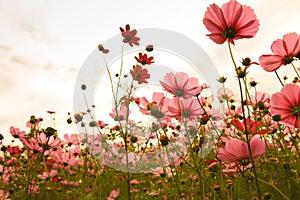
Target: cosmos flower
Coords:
[(287, 104), (252, 126), (188, 109), (144, 60), (225, 94), (114, 194), (139, 74), (67, 160), (130, 36), (181, 85), (121, 113), (17, 133), (284, 52), (157, 108), (236, 150), (231, 22)]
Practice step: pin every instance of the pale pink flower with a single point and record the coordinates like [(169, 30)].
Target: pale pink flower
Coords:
[(236, 150), (76, 151), (48, 142), (33, 145), (225, 94), (47, 175), (134, 182), (234, 112), (122, 113), (6, 172), (113, 194), (159, 171), (284, 52), (4, 195), (71, 139), (67, 160), (157, 108), (17, 133), (181, 85), (34, 124), (33, 188), (260, 100), (71, 183), (231, 22), (184, 109), (287, 104)]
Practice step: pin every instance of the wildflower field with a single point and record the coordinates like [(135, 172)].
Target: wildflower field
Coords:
[(181, 145)]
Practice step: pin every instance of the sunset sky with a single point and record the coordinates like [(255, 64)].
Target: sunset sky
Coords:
[(43, 45)]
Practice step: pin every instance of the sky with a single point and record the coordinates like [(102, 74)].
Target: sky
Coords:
[(43, 45)]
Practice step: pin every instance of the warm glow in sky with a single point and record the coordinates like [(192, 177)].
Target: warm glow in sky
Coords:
[(44, 43)]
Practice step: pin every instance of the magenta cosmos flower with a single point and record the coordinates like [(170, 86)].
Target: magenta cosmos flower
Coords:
[(181, 85), (231, 22), (236, 151), (285, 50), (287, 104)]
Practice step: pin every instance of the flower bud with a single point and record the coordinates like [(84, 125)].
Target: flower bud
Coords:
[(149, 48), (164, 140), (222, 79)]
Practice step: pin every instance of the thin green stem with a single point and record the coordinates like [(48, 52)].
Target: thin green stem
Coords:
[(295, 70), (244, 119), (274, 188)]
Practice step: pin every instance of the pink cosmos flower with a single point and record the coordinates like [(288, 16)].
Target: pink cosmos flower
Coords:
[(4, 195), (236, 151), (139, 74), (130, 36), (71, 139), (47, 175), (188, 109), (122, 113), (287, 104), (6, 173), (17, 133), (33, 122), (67, 160), (33, 145), (113, 194), (224, 94), (48, 142), (260, 100), (70, 183), (33, 188), (284, 52), (157, 108), (181, 85), (231, 22), (159, 171), (134, 182)]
